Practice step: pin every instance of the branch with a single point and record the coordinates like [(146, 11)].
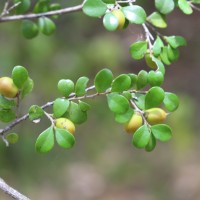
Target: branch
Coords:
[(11, 191), (71, 97), (50, 13)]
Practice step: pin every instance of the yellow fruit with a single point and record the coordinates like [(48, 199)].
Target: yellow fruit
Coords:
[(8, 88), (134, 123), (155, 115), (121, 18), (66, 124)]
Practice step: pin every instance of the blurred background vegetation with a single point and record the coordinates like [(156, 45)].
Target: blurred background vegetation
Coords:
[(103, 164)]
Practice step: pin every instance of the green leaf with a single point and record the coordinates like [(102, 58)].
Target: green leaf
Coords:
[(133, 79), (29, 29), (176, 41), (65, 87), (121, 83), (103, 80), (7, 115), (127, 94), (64, 138), (171, 101), (162, 132), (140, 101), (110, 22), (60, 106), (142, 79), (138, 49), (27, 88), (152, 144), (165, 6), (173, 54), (81, 85), (12, 138), (75, 114), (45, 141), (141, 137), (23, 6), (35, 112), (19, 76), (154, 97), (157, 20), (6, 104), (94, 8), (46, 25), (159, 64), (117, 103), (109, 1), (164, 56), (135, 14), (184, 5), (84, 106), (157, 46), (123, 118), (150, 62), (41, 6), (155, 78)]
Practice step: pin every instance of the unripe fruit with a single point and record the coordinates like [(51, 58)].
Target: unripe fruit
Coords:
[(121, 18), (155, 115), (66, 124), (8, 88), (134, 123)]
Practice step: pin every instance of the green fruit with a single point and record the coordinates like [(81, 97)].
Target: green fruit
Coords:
[(134, 123), (66, 124), (110, 22), (8, 88), (121, 18), (155, 115)]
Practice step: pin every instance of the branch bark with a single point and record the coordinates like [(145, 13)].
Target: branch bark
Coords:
[(50, 13), (11, 191)]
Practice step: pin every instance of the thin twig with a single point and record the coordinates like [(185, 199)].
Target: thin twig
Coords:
[(11, 191), (149, 36), (50, 13), (195, 7), (48, 104)]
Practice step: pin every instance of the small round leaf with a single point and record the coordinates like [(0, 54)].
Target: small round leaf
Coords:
[(35, 112), (81, 85), (29, 29), (45, 141), (171, 101), (162, 132), (19, 76), (154, 97), (117, 103), (60, 106), (121, 83), (64, 138), (103, 80), (65, 87), (12, 138), (141, 137)]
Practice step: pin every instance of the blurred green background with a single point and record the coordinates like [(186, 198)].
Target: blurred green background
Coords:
[(103, 165)]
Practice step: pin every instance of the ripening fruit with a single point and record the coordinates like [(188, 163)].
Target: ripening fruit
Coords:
[(134, 123), (66, 124), (8, 88), (155, 115), (121, 18)]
